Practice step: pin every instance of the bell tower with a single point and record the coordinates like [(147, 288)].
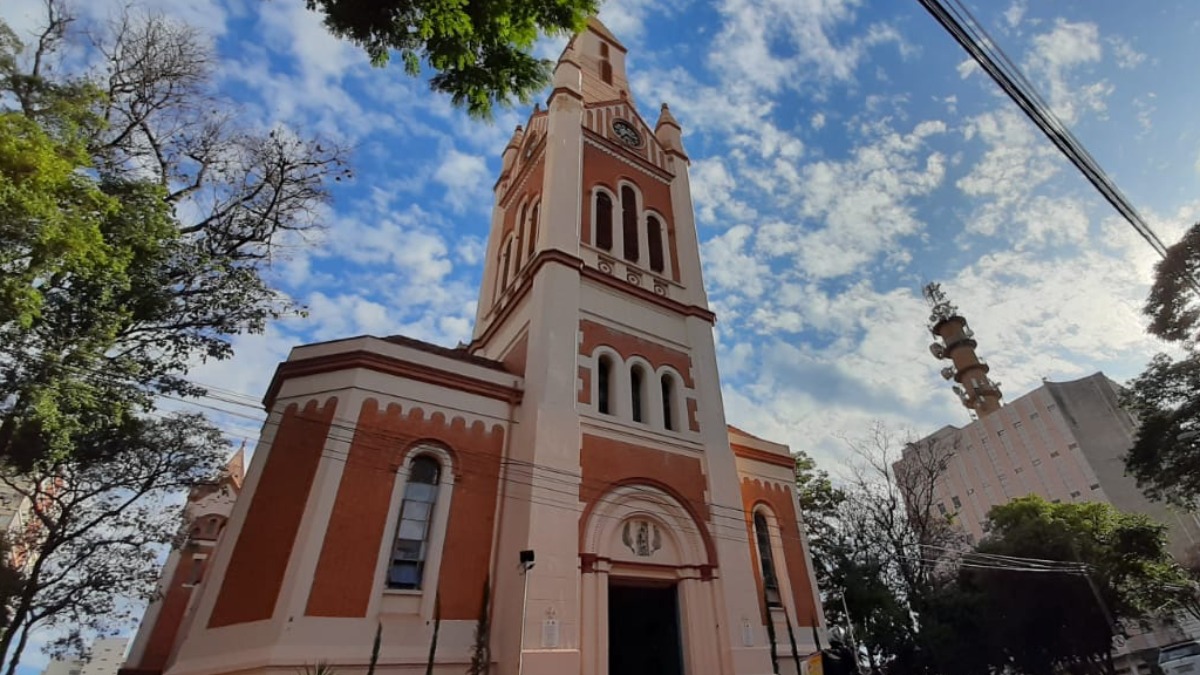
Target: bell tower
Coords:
[(592, 292), (977, 392)]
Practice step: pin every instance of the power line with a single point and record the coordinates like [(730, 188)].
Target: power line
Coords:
[(962, 25)]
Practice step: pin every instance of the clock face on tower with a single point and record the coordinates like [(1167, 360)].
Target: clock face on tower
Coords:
[(625, 131)]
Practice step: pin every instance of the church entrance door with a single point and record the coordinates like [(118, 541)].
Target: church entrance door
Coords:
[(643, 628)]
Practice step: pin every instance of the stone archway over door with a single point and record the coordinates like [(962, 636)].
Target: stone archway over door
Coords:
[(638, 535)]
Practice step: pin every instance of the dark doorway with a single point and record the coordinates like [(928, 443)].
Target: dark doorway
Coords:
[(643, 629)]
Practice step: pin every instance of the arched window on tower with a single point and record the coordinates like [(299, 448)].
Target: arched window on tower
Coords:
[(629, 222), (668, 401), (605, 66), (654, 242), (604, 385), (504, 262), (519, 228), (412, 533), (533, 232), (604, 221), (766, 561), (637, 381)]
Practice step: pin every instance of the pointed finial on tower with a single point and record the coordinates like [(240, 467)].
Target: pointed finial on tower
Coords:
[(511, 150), (668, 132), (977, 392)]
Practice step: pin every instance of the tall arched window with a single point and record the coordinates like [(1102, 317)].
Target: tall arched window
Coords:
[(604, 224), (668, 401), (606, 71), (637, 378), (604, 385), (412, 532), (533, 232), (629, 222), (655, 243), (519, 228), (766, 561), (504, 261)]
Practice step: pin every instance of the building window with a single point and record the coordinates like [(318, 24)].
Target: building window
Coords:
[(970, 491), (504, 264), (1054, 453), (766, 561), (197, 572), (636, 380), (604, 224), (654, 235), (604, 49), (629, 223), (412, 533), (941, 508), (1019, 469), (1075, 494), (519, 228), (533, 232), (1033, 416), (1072, 446), (1000, 433), (604, 385), (1036, 462), (1094, 486), (606, 71), (1051, 407), (957, 502), (668, 401), (1017, 424)]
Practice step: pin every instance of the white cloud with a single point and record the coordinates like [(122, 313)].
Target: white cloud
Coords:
[(853, 210), (773, 44), (817, 121), (1014, 13), (465, 178), (966, 68), (1055, 55), (1127, 57)]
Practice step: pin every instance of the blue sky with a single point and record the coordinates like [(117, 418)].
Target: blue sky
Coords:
[(844, 152)]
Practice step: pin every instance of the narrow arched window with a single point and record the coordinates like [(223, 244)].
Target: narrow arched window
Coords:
[(766, 561), (412, 532), (636, 379), (519, 228), (606, 71), (604, 385), (655, 243), (629, 223), (504, 261), (604, 224), (533, 232), (668, 402)]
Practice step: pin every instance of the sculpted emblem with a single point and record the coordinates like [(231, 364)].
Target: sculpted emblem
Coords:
[(642, 537)]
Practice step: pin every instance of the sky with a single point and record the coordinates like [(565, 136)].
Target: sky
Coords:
[(844, 153)]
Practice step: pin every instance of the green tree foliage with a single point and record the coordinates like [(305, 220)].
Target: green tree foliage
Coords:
[(94, 539), (479, 50), (138, 219), (1165, 458), (879, 538), (1044, 622), (108, 294)]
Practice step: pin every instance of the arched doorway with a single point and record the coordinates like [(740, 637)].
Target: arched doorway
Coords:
[(648, 604)]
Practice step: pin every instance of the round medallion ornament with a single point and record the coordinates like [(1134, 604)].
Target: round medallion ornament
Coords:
[(625, 131)]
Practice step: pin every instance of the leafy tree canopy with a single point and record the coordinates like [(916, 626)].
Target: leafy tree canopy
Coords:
[(1051, 616), (1165, 398), (479, 50)]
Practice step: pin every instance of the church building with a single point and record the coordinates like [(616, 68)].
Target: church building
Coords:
[(564, 489)]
